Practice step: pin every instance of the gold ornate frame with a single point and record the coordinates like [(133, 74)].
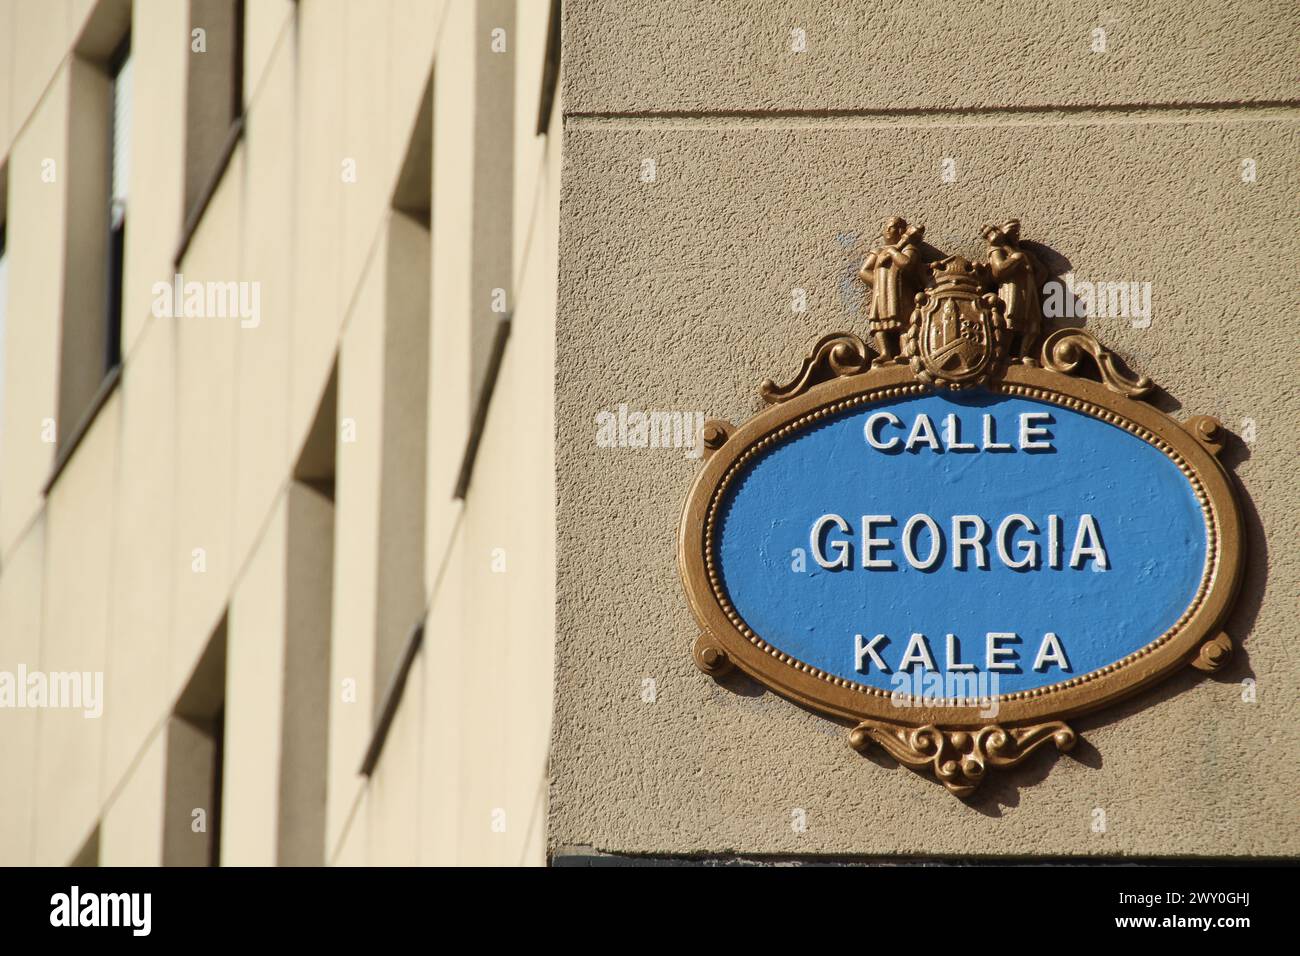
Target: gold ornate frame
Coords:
[(959, 742)]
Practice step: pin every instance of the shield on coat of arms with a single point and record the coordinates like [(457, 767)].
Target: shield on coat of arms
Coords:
[(956, 333)]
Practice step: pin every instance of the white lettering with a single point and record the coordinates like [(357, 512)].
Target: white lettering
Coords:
[(1051, 652), (865, 649), (1015, 542), (1087, 544), (917, 652), (923, 432), (1035, 437), (961, 540), (995, 653), (841, 547), (870, 543), (873, 431), (1029, 549), (954, 656), (909, 542), (1034, 434), (991, 442), (952, 432)]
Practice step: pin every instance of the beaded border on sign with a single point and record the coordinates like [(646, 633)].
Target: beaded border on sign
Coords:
[(1030, 391)]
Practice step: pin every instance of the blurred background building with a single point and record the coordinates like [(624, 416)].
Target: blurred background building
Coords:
[(277, 306)]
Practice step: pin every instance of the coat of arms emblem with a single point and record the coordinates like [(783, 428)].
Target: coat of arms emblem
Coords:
[(957, 335)]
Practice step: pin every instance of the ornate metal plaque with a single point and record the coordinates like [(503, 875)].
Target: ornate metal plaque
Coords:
[(965, 535)]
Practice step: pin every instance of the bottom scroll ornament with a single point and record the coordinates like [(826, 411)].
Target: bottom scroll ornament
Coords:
[(959, 758)]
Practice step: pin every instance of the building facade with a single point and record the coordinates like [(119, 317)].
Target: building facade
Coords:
[(276, 523)]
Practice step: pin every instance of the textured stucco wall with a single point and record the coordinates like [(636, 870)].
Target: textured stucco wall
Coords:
[(773, 170)]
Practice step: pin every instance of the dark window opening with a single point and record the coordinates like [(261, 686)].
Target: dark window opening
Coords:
[(550, 70), (195, 760), (96, 181), (218, 764), (237, 64), (214, 109), (309, 596), (88, 855), (119, 152), (4, 297)]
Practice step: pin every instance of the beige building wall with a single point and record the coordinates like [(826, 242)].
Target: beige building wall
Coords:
[(211, 540), (780, 136)]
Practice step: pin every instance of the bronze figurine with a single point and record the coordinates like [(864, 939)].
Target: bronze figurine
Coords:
[(890, 273), (1019, 277)]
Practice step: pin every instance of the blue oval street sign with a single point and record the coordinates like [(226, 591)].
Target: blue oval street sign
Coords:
[(960, 553), (1016, 541)]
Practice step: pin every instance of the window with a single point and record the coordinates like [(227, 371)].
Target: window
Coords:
[(214, 106), (550, 70), (405, 386), (95, 175), (88, 855), (399, 624), (4, 306), (493, 184), (195, 761), (309, 594), (119, 164)]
